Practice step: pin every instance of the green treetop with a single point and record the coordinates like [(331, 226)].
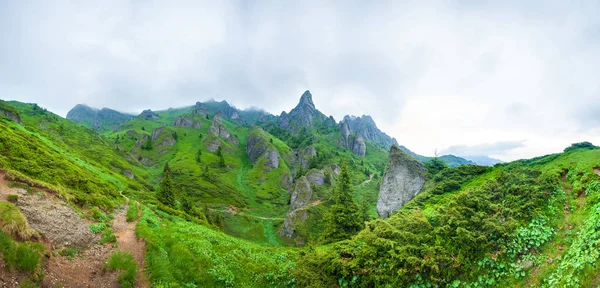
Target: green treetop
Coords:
[(165, 189), (343, 219)]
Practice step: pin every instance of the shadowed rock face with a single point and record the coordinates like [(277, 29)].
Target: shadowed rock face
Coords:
[(316, 177), (219, 130), (403, 179), (11, 115), (358, 146), (187, 122), (366, 127), (300, 199), (352, 142), (258, 145), (303, 115)]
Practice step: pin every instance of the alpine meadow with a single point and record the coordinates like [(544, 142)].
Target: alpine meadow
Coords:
[(473, 162)]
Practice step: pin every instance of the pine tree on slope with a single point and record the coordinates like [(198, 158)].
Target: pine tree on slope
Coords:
[(343, 219)]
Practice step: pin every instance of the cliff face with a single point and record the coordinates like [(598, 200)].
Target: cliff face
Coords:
[(353, 142), (365, 126), (187, 122), (305, 114), (300, 199), (403, 179), (257, 145), (219, 129), (9, 112)]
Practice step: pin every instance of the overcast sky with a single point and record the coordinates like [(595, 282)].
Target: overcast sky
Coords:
[(508, 79)]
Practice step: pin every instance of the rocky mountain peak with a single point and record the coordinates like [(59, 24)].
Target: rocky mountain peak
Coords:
[(306, 100), (365, 126), (304, 114)]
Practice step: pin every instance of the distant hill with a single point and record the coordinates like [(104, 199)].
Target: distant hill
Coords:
[(484, 160), (97, 119)]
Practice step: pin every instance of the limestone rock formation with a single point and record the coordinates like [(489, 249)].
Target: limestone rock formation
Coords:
[(156, 133), (222, 108), (12, 115), (304, 155), (213, 144), (353, 142), (297, 214), (258, 145), (358, 146), (316, 177), (303, 115), (217, 128), (187, 122), (403, 179), (366, 127), (169, 141), (140, 141)]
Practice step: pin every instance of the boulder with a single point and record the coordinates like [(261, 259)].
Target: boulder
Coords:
[(316, 177), (403, 178)]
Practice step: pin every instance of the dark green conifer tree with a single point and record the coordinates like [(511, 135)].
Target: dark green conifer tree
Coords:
[(199, 156), (165, 189), (221, 157), (343, 219)]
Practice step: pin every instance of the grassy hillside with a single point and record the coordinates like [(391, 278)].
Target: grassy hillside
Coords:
[(500, 227), (73, 160), (525, 223)]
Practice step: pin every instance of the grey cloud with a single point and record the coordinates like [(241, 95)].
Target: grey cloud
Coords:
[(517, 67), (485, 149)]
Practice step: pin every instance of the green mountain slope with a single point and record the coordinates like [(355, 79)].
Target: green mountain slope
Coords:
[(525, 223)]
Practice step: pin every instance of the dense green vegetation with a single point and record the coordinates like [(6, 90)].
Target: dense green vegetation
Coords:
[(525, 223), (181, 253)]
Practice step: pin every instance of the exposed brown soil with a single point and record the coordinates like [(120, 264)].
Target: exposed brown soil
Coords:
[(86, 269), (128, 242), (11, 278), (597, 170)]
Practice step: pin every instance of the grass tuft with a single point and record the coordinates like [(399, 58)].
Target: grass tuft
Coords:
[(123, 261), (13, 223)]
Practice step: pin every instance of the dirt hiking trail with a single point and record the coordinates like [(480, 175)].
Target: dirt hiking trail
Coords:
[(86, 269)]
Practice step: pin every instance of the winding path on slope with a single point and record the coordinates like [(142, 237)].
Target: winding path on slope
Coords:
[(128, 242)]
